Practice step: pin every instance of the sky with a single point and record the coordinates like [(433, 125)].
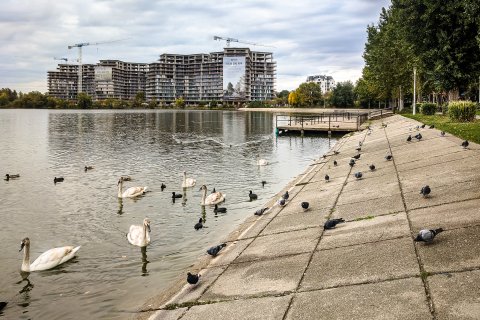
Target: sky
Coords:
[(307, 37)]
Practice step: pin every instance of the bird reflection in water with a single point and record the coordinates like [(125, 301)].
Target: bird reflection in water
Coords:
[(25, 291), (120, 206), (184, 198), (144, 261)]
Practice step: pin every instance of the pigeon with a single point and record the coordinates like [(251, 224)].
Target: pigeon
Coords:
[(336, 152), (219, 209), (351, 163), (409, 138), (60, 179), (176, 195), (426, 235), (264, 183), (199, 224), (358, 175), (286, 195), (358, 149), (357, 156), (324, 156), (281, 202), (442, 133), (330, 224), (327, 178), (213, 251), (261, 211), (335, 163), (193, 278), (425, 191), (252, 196), (384, 125), (360, 143), (418, 136), (389, 157), (422, 126), (465, 144), (305, 205), (88, 168), (3, 304), (372, 167), (417, 127), (163, 186), (432, 126)]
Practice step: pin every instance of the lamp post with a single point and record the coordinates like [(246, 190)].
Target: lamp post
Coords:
[(414, 89)]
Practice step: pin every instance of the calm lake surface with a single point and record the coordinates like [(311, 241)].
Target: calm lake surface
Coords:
[(110, 278)]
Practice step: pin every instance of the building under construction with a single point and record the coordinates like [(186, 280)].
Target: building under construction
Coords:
[(234, 75)]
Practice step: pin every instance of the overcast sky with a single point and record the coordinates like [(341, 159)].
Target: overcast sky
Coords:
[(309, 36)]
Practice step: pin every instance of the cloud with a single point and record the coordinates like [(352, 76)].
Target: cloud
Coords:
[(310, 37)]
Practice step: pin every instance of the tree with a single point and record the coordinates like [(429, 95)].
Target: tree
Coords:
[(84, 101), (293, 99), (309, 94), (180, 103), (342, 95)]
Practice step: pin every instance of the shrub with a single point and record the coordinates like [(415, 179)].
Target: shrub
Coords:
[(428, 108), (462, 111)]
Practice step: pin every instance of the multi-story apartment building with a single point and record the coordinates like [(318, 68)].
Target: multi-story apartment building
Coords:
[(195, 78), (326, 83)]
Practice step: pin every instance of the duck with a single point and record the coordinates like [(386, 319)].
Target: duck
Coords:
[(218, 209), (264, 183), (47, 260), (176, 195), (261, 162), (188, 182), (88, 168), (130, 192), (140, 235), (252, 195), (59, 179), (11, 176), (163, 186), (213, 198), (193, 278), (199, 224)]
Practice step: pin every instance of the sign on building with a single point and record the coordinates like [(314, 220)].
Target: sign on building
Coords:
[(103, 73), (233, 78)]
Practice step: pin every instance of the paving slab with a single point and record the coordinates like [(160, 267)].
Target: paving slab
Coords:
[(365, 231), (358, 193), (456, 295), (448, 216), (320, 199), (452, 250), (377, 261), (230, 252), (167, 314), (250, 309), (299, 221), (258, 278), (372, 183), (426, 162), (397, 299), (281, 244), (372, 207)]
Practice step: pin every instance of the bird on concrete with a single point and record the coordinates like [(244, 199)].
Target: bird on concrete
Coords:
[(264, 183), (163, 186), (305, 205), (199, 224), (427, 235), (330, 224), (418, 136), (335, 163), (336, 152), (432, 126), (388, 157), (358, 149), (261, 211), (357, 156), (193, 278), (3, 304), (218, 209), (176, 195), (252, 196), (213, 251), (351, 163), (358, 175), (422, 126), (327, 177), (59, 179), (465, 144), (442, 133), (286, 195), (425, 191), (360, 143), (384, 125), (281, 202), (409, 138), (372, 167)]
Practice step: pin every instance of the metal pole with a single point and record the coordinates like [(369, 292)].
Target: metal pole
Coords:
[(414, 89)]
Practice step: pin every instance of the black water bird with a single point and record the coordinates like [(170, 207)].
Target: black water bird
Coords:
[(261, 211), (351, 163), (409, 138), (219, 209), (425, 191), (163, 186), (388, 157), (11, 176), (335, 163), (442, 133), (427, 235), (60, 179), (252, 196), (372, 167), (432, 126), (176, 195), (199, 224), (213, 251), (327, 177), (193, 278), (330, 224), (358, 175), (286, 195), (357, 156), (264, 183), (418, 136), (305, 205), (465, 144), (88, 168)]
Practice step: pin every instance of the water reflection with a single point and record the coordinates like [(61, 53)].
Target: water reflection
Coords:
[(120, 206), (144, 261), (24, 293)]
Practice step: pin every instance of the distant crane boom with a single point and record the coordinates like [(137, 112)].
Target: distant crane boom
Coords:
[(229, 40), (65, 59)]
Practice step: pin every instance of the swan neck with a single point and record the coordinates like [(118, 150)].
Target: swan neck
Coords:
[(204, 195), (26, 258), (120, 187), (144, 233)]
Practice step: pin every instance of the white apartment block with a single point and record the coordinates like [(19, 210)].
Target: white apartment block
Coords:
[(326, 82)]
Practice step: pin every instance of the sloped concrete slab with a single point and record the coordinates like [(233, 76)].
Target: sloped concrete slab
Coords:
[(359, 193), (365, 231), (252, 309), (167, 314), (372, 207), (456, 295), (398, 299), (299, 221), (321, 200), (452, 250), (258, 278), (377, 261), (229, 253)]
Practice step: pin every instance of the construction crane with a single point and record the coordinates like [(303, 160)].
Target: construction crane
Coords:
[(80, 46), (229, 40), (65, 59)]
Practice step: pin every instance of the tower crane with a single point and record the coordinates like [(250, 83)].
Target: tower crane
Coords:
[(64, 59), (229, 40), (80, 46)]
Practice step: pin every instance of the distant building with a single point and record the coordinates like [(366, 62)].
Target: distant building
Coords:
[(326, 82), (235, 74)]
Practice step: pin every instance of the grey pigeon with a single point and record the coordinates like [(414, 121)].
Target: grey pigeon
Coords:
[(358, 149), (305, 205), (388, 157), (360, 143), (330, 224), (213, 251), (218, 209), (372, 167), (193, 278), (327, 177), (351, 163), (422, 126), (336, 152), (358, 175), (3, 304), (259, 212), (442, 133), (425, 191), (199, 224), (286, 195), (465, 144), (426, 235), (335, 163), (418, 136), (432, 126), (409, 138), (281, 202), (357, 156), (252, 196)]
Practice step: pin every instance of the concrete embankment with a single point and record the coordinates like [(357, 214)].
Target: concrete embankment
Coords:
[(284, 265)]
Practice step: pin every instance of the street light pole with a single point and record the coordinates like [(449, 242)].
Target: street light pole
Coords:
[(414, 89)]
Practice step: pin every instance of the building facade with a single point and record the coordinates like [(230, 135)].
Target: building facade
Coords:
[(326, 83), (196, 78)]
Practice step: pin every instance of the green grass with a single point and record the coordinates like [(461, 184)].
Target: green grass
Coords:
[(466, 130), (364, 218)]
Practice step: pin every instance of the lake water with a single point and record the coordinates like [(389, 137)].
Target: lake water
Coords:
[(110, 278)]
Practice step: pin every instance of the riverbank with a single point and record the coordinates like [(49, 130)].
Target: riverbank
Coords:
[(305, 110), (283, 265)]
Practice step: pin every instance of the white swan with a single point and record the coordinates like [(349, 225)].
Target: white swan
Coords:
[(140, 235), (47, 260), (130, 192), (188, 182), (213, 198), (261, 162)]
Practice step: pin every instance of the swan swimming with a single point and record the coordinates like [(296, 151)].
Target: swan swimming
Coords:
[(47, 260), (213, 198), (140, 235), (188, 182), (261, 162), (130, 192)]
